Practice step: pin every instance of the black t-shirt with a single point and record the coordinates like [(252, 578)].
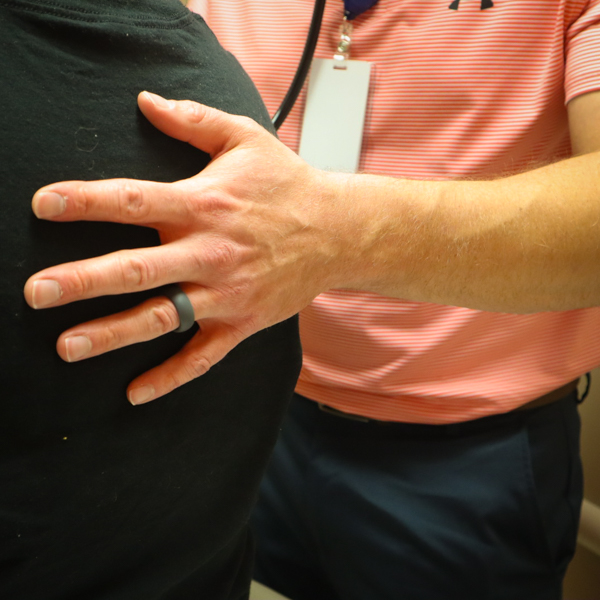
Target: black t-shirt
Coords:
[(99, 499)]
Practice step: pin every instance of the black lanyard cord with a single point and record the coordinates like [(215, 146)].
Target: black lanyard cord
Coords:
[(303, 67)]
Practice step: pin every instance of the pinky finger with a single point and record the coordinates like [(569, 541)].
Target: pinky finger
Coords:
[(204, 350)]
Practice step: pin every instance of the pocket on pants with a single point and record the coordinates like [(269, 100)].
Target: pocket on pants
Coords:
[(554, 470)]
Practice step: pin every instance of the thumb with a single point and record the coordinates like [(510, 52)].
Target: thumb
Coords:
[(206, 128)]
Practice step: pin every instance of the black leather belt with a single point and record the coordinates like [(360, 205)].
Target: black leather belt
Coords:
[(548, 398)]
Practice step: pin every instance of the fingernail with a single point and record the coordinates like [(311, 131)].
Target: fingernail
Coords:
[(141, 394), (45, 292), (47, 205), (159, 100), (78, 346)]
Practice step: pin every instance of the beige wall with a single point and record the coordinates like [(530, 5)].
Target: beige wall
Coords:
[(583, 578)]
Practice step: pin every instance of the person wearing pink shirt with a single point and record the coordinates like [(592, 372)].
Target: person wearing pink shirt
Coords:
[(449, 290)]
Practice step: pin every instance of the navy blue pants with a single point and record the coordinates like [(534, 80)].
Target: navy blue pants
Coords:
[(484, 510)]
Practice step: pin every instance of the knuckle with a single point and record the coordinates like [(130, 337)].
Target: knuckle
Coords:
[(192, 111), (137, 272), (197, 366), (164, 318), (247, 124), (173, 380), (247, 129), (82, 200), (79, 284), (210, 202), (131, 204), (111, 338), (193, 205), (131, 201), (221, 255)]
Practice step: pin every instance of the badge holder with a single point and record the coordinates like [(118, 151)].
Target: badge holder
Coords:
[(336, 105)]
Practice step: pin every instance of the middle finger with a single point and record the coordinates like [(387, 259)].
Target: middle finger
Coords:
[(122, 272)]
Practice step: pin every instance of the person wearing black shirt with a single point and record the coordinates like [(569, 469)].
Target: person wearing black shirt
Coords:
[(100, 499)]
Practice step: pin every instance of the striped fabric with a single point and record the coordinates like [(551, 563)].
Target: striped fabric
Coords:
[(457, 91)]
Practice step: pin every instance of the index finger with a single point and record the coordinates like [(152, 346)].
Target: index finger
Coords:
[(116, 200), (146, 202)]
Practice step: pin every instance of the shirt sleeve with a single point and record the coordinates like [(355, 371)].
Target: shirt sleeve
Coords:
[(582, 52)]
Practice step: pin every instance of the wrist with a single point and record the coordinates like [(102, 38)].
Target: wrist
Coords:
[(382, 225)]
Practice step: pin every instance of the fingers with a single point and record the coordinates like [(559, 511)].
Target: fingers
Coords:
[(204, 350), (147, 321), (121, 272), (208, 129), (115, 200), (146, 202)]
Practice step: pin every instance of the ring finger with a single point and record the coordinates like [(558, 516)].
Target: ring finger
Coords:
[(149, 320)]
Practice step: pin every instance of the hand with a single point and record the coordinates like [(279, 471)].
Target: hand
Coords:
[(248, 239)]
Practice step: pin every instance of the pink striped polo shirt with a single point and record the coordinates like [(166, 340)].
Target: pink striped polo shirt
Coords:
[(464, 92)]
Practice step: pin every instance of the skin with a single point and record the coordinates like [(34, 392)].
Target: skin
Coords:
[(258, 234)]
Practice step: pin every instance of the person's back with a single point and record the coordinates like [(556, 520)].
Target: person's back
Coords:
[(99, 499)]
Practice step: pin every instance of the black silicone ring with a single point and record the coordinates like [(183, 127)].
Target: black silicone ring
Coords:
[(184, 307)]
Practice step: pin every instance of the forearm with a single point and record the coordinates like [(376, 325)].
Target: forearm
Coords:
[(256, 236), (526, 243)]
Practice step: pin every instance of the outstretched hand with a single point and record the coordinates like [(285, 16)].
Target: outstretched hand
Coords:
[(249, 240)]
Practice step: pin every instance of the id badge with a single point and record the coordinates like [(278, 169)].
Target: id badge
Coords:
[(334, 116)]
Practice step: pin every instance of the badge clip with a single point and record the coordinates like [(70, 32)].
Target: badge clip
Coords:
[(342, 53)]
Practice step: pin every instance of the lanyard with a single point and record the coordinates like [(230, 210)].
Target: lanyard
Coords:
[(354, 8)]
